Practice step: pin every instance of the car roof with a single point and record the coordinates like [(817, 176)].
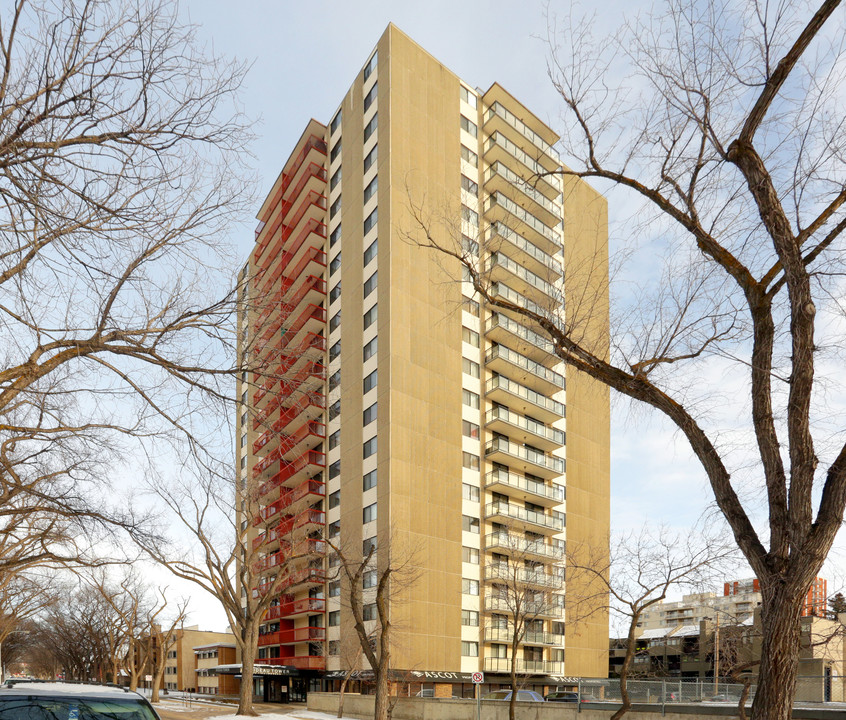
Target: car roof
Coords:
[(57, 689)]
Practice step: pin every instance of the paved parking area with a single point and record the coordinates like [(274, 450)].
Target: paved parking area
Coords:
[(177, 709)]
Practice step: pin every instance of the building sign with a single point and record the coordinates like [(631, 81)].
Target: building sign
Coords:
[(436, 675)]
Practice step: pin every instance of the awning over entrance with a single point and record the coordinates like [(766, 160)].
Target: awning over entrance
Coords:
[(258, 670)]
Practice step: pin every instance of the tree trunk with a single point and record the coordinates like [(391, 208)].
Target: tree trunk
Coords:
[(780, 611), (383, 701), (341, 695), (512, 703), (245, 693)]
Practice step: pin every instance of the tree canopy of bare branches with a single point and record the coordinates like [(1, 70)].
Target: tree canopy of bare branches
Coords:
[(725, 122), (121, 154)]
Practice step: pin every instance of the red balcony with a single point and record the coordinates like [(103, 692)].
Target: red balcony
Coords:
[(304, 662), (292, 608), (314, 400), (313, 143), (313, 488), (294, 636), (311, 461), (301, 548), (303, 519)]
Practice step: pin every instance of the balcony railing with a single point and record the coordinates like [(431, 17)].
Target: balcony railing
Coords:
[(499, 320), (518, 545), (504, 573), (303, 662), (524, 216), (497, 138), (513, 179), (500, 110), (536, 457), (541, 401), (530, 637), (293, 636), (532, 517), (552, 606), (518, 482), (535, 368), (497, 259), (524, 667), (290, 608), (543, 258)]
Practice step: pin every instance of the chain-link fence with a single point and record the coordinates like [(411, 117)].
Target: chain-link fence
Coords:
[(809, 689)]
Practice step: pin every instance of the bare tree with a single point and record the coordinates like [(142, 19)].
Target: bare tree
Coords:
[(225, 555), (525, 592), (352, 661), (641, 569), (371, 608), (724, 120), (121, 155), (161, 637)]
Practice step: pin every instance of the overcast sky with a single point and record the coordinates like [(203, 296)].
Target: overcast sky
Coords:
[(304, 57)]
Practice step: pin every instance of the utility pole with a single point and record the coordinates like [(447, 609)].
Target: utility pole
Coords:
[(717, 654)]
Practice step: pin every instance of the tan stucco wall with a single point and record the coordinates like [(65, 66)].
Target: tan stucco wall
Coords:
[(588, 425), (424, 364)]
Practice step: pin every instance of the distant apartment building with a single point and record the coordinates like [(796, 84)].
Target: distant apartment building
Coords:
[(179, 671), (393, 412), (207, 661), (737, 604)]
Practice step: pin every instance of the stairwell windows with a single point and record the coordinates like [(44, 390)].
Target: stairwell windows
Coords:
[(334, 439), (370, 68), (369, 579), (370, 253), (336, 178), (469, 126), (335, 208), (370, 381), (336, 122), (470, 618), (370, 284), (368, 514), (334, 380), (468, 215), (370, 98), (469, 398), (334, 499), (469, 649), (371, 158), (334, 236), (466, 184), (334, 589), (470, 368), (370, 446), (336, 151), (470, 492), (470, 461), (470, 524), (335, 265), (334, 618), (469, 246), (467, 96), (471, 337), (335, 351), (334, 529), (470, 430), (469, 587), (369, 415), (369, 546), (368, 481), (334, 409), (370, 128), (334, 469), (335, 322), (469, 156), (370, 349), (243, 439), (371, 189), (335, 292), (368, 612), (370, 316), (371, 220), (470, 556)]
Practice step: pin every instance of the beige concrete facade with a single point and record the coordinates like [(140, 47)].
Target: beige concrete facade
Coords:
[(439, 432), (179, 659)]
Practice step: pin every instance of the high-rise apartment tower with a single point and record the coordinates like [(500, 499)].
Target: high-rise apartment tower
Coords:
[(396, 411)]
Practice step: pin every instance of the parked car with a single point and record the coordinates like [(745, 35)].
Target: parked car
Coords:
[(522, 696), (82, 701), (563, 696)]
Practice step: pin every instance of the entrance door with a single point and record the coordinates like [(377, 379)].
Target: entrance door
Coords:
[(299, 690)]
